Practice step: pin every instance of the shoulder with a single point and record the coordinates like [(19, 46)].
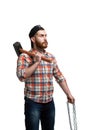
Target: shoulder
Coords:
[(50, 55), (25, 57)]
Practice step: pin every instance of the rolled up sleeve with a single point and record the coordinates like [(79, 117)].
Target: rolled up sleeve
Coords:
[(22, 63), (57, 73)]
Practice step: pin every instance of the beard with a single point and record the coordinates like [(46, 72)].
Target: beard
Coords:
[(42, 45)]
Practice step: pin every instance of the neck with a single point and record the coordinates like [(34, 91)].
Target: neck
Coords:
[(40, 50)]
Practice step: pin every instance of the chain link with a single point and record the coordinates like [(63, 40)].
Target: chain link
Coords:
[(74, 116)]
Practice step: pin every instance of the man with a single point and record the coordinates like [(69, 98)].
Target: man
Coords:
[(38, 77)]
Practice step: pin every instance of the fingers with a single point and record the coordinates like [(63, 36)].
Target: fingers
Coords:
[(37, 58), (71, 100)]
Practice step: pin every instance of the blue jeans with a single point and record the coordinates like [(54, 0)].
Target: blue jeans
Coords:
[(35, 112)]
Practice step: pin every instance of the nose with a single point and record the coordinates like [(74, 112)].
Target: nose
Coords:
[(45, 38)]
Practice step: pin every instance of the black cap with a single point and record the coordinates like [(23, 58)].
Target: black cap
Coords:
[(34, 30)]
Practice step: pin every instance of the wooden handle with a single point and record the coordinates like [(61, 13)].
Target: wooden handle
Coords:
[(27, 52), (33, 54)]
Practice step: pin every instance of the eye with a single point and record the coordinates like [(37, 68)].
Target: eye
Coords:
[(41, 35)]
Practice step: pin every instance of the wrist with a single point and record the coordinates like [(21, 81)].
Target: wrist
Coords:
[(37, 62), (68, 94)]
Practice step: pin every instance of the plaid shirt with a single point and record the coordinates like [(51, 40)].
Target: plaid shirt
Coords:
[(39, 86)]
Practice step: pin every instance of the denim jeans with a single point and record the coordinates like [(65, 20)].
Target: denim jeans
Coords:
[(35, 112)]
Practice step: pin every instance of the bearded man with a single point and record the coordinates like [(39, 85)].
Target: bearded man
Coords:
[(38, 77)]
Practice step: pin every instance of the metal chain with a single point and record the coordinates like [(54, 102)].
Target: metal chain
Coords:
[(74, 117)]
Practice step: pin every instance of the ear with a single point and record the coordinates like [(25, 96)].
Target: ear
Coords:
[(33, 39)]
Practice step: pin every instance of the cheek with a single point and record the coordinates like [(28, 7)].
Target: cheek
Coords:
[(40, 41)]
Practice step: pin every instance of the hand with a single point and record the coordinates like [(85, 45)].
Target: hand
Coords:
[(71, 99), (37, 58)]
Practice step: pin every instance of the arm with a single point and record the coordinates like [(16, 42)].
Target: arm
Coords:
[(29, 71), (24, 67), (65, 88), (62, 82)]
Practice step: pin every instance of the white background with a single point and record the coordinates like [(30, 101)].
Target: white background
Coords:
[(65, 22)]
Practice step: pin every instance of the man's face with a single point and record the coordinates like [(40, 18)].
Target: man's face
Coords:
[(41, 39)]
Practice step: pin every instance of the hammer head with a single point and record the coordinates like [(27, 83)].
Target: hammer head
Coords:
[(17, 46)]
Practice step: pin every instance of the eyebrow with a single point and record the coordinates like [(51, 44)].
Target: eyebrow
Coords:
[(41, 34)]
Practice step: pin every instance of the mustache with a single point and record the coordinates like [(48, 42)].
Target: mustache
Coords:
[(45, 42)]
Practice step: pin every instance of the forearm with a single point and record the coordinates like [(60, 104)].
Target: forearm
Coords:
[(29, 71), (65, 87)]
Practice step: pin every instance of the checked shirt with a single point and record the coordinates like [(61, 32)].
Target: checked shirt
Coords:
[(39, 86)]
